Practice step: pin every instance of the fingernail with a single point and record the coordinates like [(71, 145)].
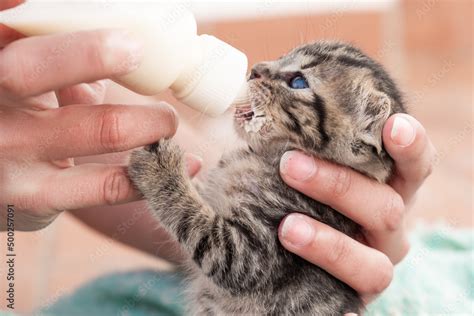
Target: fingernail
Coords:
[(125, 51), (173, 115), (297, 165), (403, 133), (296, 230)]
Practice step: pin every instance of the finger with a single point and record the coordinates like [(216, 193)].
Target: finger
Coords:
[(407, 143), (375, 206), (84, 93), (7, 4), (80, 130), (193, 164), (8, 35), (89, 185), (43, 101), (34, 65), (40, 102), (365, 269)]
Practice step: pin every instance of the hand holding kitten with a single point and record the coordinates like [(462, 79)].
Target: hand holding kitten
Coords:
[(366, 265)]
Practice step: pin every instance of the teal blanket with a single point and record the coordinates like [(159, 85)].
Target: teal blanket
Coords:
[(436, 278)]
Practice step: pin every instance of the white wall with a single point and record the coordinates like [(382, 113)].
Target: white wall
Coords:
[(218, 10)]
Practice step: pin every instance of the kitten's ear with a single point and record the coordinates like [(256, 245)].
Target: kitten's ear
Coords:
[(375, 111)]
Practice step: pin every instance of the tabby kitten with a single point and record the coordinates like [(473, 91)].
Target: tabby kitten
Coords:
[(327, 99)]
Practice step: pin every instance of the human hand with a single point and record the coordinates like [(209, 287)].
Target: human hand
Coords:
[(366, 265), (47, 117)]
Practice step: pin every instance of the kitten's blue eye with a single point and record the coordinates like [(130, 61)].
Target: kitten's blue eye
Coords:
[(299, 82)]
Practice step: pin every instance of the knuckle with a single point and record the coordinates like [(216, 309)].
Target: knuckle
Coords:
[(13, 81), (383, 278), (11, 86), (340, 250), (99, 50), (110, 55), (393, 213), (341, 182), (116, 187), (425, 169), (405, 248), (428, 170), (434, 151), (171, 117), (111, 136), (426, 159), (34, 204)]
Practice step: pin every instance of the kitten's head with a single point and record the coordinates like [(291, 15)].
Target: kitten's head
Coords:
[(326, 98)]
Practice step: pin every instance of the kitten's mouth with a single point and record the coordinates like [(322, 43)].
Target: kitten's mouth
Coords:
[(244, 113), (250, 118)]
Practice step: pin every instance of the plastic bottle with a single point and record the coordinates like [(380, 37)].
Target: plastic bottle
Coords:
[(203, 72)]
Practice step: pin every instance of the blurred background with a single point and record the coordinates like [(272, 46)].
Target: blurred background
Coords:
[(425, 44)]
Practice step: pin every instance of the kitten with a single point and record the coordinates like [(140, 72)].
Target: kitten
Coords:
[(327, 99)]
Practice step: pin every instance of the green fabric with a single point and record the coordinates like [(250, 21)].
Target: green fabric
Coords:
[(436, 278), (140, 293)]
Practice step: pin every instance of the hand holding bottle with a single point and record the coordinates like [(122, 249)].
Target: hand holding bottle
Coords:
[(49, 115), (202, 71)]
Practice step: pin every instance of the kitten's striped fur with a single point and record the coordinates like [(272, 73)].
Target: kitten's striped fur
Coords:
[(229, 226)]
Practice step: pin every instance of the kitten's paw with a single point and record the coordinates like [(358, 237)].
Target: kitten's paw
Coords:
[(154, 166)]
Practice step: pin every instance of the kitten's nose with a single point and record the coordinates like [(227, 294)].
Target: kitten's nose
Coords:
[(259, 71)]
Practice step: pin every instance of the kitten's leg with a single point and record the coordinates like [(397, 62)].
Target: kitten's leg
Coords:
[(234, 252), (237, 252), (158, 171)]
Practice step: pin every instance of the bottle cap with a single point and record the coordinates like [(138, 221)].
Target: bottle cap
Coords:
[(214, 85)]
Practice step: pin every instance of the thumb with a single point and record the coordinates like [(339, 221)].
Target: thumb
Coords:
[(7, 4)]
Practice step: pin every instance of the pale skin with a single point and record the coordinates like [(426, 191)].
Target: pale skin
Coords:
[(53, 117)]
